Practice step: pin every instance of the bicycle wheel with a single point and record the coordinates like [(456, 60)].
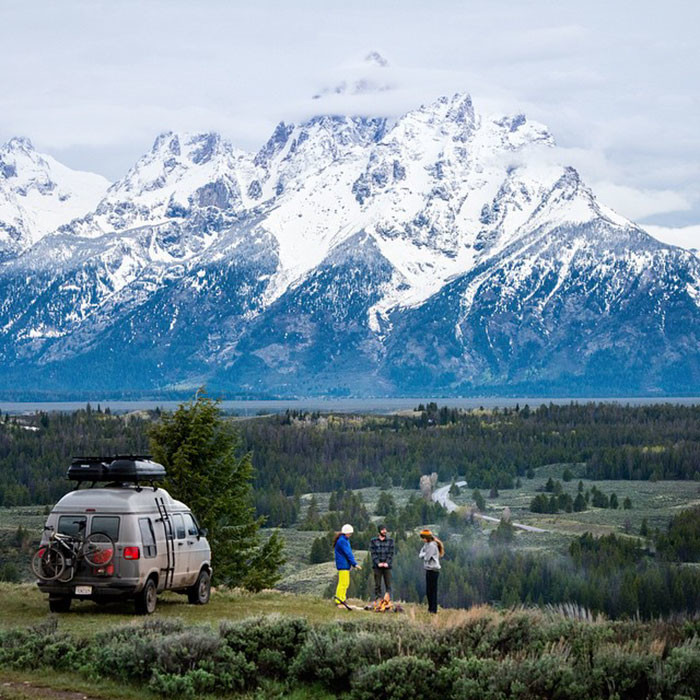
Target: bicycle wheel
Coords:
[(48, 563), (98, 549)]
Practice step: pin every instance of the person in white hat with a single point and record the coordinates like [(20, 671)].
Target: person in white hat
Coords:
[(344, 561)]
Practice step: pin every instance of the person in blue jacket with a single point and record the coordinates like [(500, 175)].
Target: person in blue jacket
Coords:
[(344, 561)]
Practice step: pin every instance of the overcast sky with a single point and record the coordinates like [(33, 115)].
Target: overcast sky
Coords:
[(92, 82)]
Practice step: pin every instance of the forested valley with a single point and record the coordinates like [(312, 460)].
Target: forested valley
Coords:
[(302, 452), (296, 453)]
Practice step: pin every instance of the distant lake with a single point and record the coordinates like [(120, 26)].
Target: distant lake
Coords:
[(252, 408)]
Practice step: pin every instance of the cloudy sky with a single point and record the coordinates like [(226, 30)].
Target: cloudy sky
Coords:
[(94, 81)]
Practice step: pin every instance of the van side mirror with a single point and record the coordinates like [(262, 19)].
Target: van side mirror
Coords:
[(203, 532)]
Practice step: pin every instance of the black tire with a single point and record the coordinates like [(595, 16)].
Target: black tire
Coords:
[(146, 600), (201, 591), (48, 563), (60, 605), (98, 549)]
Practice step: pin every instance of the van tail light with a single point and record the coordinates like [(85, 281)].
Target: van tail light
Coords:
[(131, 553), (104, 570)]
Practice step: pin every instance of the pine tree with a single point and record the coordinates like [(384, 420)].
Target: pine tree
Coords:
[(644, 529), (312, 519), (199, 450), (386, 505)]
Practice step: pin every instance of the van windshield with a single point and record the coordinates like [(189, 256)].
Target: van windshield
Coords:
[(107, 524)]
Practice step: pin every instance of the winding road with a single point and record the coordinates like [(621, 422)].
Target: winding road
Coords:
[(442, 496)]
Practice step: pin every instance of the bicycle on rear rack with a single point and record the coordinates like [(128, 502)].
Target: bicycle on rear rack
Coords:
[(58, 559)]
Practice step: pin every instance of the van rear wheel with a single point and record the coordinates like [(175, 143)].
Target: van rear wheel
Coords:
[(200, 592), (146, 600)]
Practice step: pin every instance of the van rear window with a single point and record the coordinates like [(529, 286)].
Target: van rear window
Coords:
[(107, 524), (72, 525), (147, 538)]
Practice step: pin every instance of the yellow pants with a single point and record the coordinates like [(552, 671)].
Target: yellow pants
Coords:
[(343, 583)]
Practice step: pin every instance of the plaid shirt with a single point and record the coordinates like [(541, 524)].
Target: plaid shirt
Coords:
[(381, 551)]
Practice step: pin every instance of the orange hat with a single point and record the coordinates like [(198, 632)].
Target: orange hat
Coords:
[(425, 532)]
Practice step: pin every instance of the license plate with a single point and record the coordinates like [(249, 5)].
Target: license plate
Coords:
[(83, 590)]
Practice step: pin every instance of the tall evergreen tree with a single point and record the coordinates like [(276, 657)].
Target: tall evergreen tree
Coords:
[(200, 451)]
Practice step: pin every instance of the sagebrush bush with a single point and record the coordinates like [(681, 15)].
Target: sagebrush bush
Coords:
[(129, 652), (331, 654), (399, 678), (38, 646), (482, 656), (271, 643)]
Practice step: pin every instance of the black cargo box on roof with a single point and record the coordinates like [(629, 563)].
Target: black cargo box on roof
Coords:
[(120, 468), (88, 469)]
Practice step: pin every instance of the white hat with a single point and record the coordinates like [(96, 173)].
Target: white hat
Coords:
[(347, 529)]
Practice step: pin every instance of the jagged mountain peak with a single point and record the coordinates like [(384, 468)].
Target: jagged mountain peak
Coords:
[(18, 143), (197, 147), (181, 174), (38, 194)]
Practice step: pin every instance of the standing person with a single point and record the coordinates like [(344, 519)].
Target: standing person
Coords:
[(430, 553), (344, 561), (381, 549)]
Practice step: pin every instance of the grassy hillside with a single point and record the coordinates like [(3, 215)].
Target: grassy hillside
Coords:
[(302, 647)]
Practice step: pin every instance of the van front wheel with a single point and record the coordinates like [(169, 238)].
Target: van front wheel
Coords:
[(146, 600), (200, 592)]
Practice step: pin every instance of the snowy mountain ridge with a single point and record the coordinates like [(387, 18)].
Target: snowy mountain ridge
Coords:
[(38, 194), (441, 252)]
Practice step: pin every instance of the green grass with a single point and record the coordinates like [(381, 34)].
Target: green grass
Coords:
[(24, 604), (51, 685), (48, 683)]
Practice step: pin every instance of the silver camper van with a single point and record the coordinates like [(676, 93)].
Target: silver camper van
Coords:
[(125, 539)]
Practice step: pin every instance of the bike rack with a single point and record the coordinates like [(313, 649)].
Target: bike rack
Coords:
[(169, 541)]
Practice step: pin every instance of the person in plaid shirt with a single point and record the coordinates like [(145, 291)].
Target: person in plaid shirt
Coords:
[(381, 549)]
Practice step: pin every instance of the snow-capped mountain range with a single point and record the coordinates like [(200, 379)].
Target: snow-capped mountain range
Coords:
[(440, 253)]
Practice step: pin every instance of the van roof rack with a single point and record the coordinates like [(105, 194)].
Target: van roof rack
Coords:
[(121, 469)]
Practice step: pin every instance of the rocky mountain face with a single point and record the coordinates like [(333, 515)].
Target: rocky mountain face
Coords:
[(439, 254)]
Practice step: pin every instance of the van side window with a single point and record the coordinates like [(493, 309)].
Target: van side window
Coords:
[(107, 524), (179, 526), (72, 525), (147, 537), (191, 525)]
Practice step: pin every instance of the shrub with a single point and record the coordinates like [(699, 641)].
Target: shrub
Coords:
[(129, 652), (271, 643), (331, 654), (400, 678)]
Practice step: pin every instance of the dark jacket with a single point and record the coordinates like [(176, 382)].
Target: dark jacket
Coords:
[(381, 551), (344, 558)]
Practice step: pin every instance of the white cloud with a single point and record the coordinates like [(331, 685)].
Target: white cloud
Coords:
[(616, 83), (639, 204), (687, 237)]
